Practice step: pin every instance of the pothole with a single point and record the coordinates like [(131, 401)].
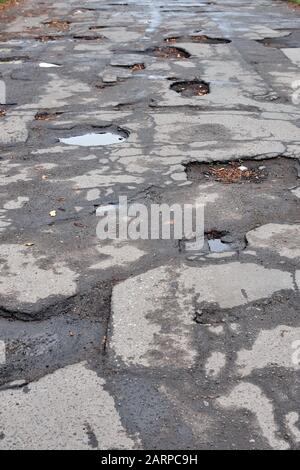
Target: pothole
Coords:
[(209, 40), (134, 67), (289, 41), (13, 60), (209, 314), (46, 65), (106, 136), (219, 242), (197, 38), (215, 242), (191, 88), (45, 116), (89, 37), (98, 27), (169, 53), (60, 25), (227, 173), (48, 38)]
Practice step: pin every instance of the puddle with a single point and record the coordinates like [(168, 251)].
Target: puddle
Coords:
[(45, 65), (198, 38), (13, 60), (217, 246), (191, 88), (169, 53), (227, 173), (219, 242), (98, 139)]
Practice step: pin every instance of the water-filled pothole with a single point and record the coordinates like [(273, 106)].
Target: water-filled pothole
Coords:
[(169, 53), (198, 38), (106, 136), (219, 242), (191, 88), (46, 65), (13, 60)]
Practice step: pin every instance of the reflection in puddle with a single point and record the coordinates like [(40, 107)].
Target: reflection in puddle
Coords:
[(94, 140), (45, 65), (217, 246)]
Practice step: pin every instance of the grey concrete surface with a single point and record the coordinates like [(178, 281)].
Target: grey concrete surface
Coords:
[(143, 344)]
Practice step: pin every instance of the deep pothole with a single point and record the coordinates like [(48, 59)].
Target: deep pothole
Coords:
[(220, 241), (98, 137), (227, 172), (198, 38), (14, 60), (60, 25), (214, 242), (134, 67), (168, 52), (47, 116), (191, 88), (89, 37)]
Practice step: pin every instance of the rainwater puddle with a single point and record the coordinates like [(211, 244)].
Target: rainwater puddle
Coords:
[(93, 139), (217, 246), (46, 65), (12, 61)]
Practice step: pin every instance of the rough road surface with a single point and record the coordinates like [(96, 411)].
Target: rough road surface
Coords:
[(143, 344)]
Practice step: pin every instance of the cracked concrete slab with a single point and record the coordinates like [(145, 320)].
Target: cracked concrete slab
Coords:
[(159, 329), (22, 277), (281, 239), (86, 416), (250, 397), (271, 348)]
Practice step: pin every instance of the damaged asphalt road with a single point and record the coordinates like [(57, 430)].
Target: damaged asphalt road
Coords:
[(142, 344)]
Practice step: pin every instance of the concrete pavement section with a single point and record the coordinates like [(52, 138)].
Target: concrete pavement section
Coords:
[(123, 344)]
